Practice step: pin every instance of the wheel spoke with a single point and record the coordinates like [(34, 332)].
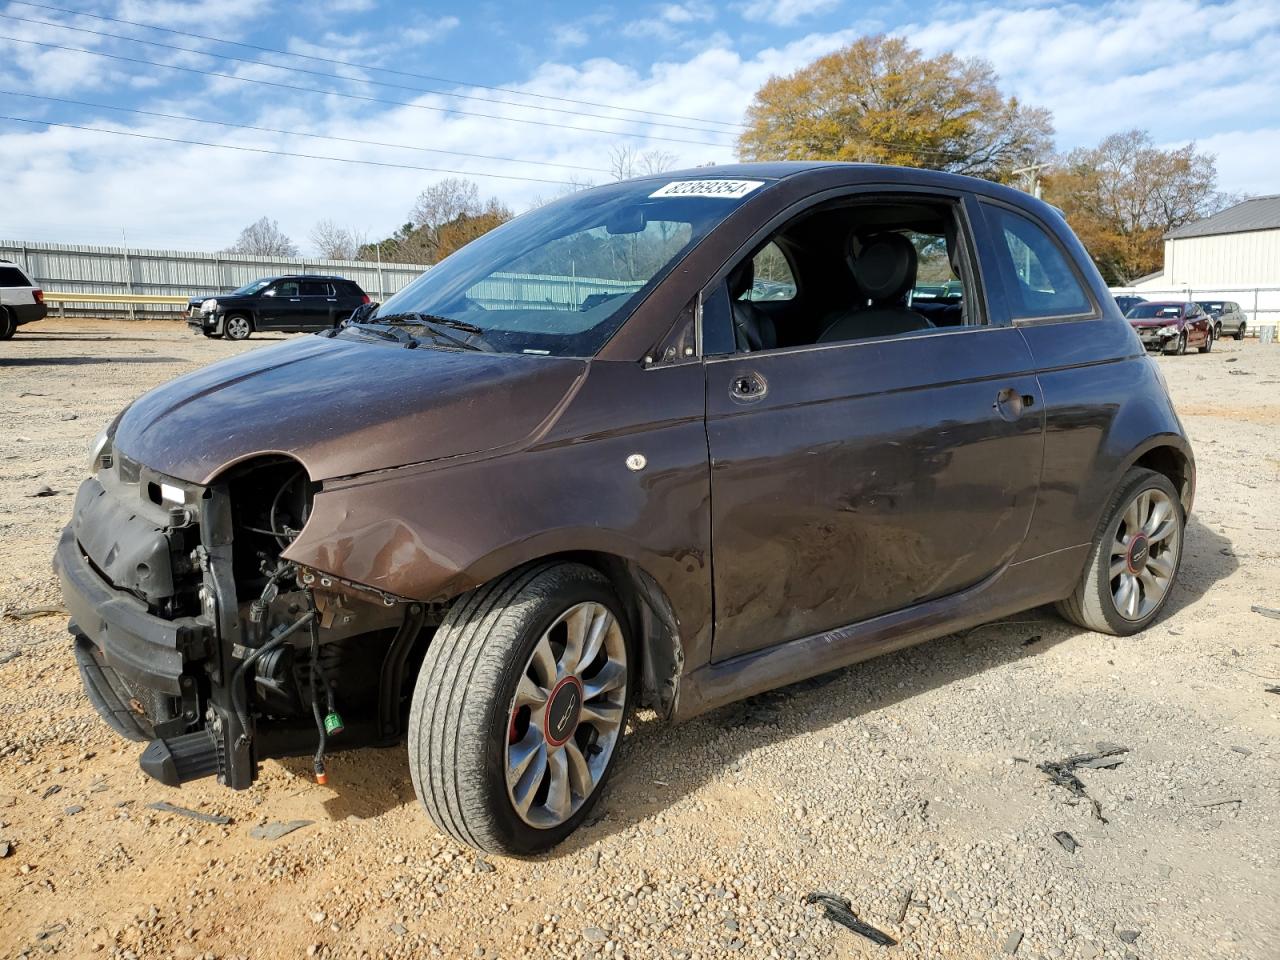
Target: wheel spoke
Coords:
[(1160, 566), (1152, 590), (1163, 531), (600, 626), (521, 755), (559, 802), (580, 776), (1160, 512), (1132, 519), (576, 624), (611, 676), (601, 714), (523, 791), (529, 694), (543, 662), (1126, 594), (1118, 566)]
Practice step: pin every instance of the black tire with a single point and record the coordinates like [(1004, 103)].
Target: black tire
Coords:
[(1208, 343), (7, 325), (1179, 346), (1091, 605), (461, 710), (1240, 332), (237, 326), (1216, 334)]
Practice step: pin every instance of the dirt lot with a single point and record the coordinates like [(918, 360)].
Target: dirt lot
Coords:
[(908, 784)]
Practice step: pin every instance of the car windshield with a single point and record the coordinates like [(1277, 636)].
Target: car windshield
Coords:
[(561, 279), (249, 289), (1211, 306), (1150, 311)]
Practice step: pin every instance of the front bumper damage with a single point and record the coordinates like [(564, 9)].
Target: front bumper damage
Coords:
[(149, 587)]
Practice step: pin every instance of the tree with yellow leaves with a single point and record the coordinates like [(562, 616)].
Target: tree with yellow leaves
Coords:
[(880, 100)]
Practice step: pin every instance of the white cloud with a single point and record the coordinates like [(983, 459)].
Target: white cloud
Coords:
[(785, 12), (692, 12), (349, 6), (1246, 159), (430, 30), (568, 35)]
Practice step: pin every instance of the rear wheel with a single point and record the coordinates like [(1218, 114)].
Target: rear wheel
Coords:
[(1240, 332), (519, 708), (1134, 559), (237, 327), (7, 324)]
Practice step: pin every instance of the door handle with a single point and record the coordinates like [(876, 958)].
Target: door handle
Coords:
[(748, 386), (295, 299), (1010, 404)]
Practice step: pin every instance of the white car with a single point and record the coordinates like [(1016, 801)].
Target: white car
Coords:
[(20, 301)]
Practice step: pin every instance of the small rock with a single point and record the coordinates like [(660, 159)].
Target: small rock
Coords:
[(1243, 751), (50, 791), (594, 935), (68, 416), (274, 831), (399, 929), (44, 491), (318, 917), (484, 866), (1012, 941), (72, 810), (6, 848), (1128, 936)]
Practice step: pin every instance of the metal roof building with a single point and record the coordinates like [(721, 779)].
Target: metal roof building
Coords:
[(1236, 248)]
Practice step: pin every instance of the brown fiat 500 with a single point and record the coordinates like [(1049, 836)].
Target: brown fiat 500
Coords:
[(671, 441)]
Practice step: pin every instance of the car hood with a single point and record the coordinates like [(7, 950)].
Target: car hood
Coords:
[(344, 407)]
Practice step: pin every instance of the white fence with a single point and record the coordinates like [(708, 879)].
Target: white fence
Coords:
[(68, 268)]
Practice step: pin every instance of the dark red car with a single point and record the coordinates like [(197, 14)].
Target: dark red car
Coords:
[(1172, 325), (584, 462)]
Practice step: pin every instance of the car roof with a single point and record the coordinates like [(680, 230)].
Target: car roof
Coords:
[(1167, 303)]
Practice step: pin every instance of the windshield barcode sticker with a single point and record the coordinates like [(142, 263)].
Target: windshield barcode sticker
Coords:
[(728, 189)]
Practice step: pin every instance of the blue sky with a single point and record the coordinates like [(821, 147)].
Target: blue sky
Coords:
[(1185, 70)]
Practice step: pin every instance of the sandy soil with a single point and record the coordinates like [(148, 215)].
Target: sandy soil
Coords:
[(903, 784)]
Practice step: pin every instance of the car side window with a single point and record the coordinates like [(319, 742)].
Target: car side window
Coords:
[(856, 268), (314, 288), (1040, 278), (774, 279), (12, 277), (287, 288)]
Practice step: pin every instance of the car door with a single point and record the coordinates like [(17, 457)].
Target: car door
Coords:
[(279, 304), (318, 305), (855, 478)]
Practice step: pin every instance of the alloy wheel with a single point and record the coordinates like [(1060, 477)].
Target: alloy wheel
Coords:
[(1144, 554), (237, 328), (566, 716)]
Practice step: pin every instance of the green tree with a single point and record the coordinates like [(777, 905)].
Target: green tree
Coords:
[(880, 100), (1122, 196)]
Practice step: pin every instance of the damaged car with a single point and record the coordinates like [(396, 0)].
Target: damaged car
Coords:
[(581, 465)]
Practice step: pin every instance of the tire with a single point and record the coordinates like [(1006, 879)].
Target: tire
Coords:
[(237, 326), (466, 723), (1095, 604), (1240, 332), (1208, 343), (7, 325), (1216, 333), (1179, 346)]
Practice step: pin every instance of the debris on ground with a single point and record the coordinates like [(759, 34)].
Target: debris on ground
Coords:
[(6, 848), (274, 831), (166, 807), (1218, 801), (1066, 841), (1062, 772), (1012, 942), (1271, 612), (1034, 638), (50, 791), (51, 610), (43, 491), (1271, 689), (10, 655), (839, 910), (1243, 751), (1128, 936)]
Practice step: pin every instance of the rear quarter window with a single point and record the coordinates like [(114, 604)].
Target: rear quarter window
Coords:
[(13, 277), (1040, 279)]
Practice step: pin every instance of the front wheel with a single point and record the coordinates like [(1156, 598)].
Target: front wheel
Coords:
[(237, 327), (1208, 344), (519, 708), (1134, 559), (1178, 347)]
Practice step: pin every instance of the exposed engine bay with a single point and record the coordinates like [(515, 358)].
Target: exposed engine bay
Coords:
[(196, 634)]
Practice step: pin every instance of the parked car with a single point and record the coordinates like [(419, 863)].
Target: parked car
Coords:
[(1172, 326), (1226, 315), (493, 521), (291, 304), (20, 301), (1126, 301)]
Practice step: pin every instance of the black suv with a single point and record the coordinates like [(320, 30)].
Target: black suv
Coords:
[(290, 304)]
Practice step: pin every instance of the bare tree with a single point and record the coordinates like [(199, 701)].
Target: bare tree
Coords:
[(446, 200), (333, 241), (628, 162), (264, 238)]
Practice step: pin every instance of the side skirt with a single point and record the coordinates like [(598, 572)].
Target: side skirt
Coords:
[(1017, 587)]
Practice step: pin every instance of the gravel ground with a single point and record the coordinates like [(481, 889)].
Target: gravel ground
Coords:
[(908, 785)]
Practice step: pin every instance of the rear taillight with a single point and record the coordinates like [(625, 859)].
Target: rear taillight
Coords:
[(364, 298), (39, 295)]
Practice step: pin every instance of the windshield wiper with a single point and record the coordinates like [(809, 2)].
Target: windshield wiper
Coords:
[(433, 323), (371, 330)]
